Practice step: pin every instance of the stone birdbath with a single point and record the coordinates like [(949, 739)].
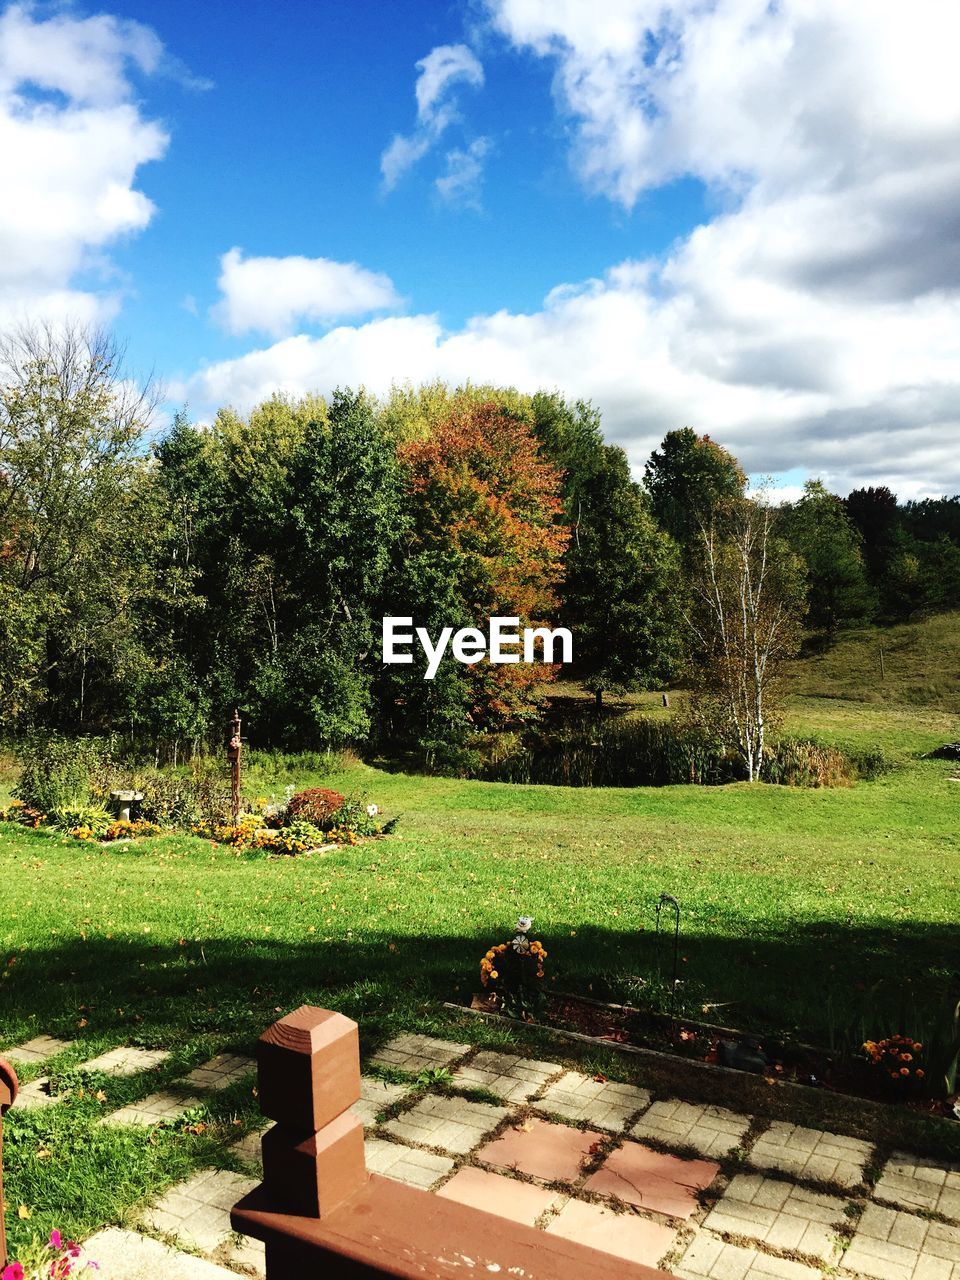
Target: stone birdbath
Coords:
[(124, 801)]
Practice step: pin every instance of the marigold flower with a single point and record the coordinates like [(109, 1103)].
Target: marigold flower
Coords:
[(904, 1071)]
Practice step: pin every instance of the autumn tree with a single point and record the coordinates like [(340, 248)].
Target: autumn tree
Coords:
[(486, 534), (747, 604)]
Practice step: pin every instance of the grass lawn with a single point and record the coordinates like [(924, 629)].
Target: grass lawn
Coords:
[(794, 904)]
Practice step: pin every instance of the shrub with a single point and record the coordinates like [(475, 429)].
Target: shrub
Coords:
[(806, 763), (58, 772), (85, 821), (317, 805), (298, 837), (200, 798)]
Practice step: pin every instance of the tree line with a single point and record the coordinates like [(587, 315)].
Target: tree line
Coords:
[(147, 584)]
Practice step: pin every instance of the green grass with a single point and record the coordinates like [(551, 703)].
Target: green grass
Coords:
[(795, 903), (921, 665)]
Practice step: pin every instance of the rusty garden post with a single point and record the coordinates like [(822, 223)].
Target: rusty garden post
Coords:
[(233, 755), (9, 1085)]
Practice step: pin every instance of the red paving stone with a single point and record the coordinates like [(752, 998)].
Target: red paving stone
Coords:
[(543, 1150), (650, 1180), (623, 1234), (507, 1197)]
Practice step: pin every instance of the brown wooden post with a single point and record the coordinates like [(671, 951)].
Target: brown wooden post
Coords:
[(233, 755), (9, 1086), (308, 1068)]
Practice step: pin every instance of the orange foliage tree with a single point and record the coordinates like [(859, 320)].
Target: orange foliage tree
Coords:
[(484, 498)]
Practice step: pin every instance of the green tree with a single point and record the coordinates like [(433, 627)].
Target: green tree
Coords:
[(686, 478), (71, 426), (819, 529)]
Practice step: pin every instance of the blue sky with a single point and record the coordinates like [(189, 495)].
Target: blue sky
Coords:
[(655, 205)]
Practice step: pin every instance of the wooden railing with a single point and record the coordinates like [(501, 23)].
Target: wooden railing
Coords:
[(320, 1213), (8, 1092)]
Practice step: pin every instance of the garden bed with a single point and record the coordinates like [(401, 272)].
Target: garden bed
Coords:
[(814, 1071)]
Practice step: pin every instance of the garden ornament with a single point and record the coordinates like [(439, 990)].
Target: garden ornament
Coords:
[(521, 942)]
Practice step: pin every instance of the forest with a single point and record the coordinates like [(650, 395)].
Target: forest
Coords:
[(152, 580)]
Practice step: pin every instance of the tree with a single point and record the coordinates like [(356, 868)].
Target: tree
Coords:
[(71, 426), (485, 528), (747, 603), (686, 478), (620, 586), (875, 514), (818, 529)]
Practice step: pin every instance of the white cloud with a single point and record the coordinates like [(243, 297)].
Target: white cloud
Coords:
[(270, 295), (443, 68), (460, 184), (72, 140), (813, 322), (652, 362)]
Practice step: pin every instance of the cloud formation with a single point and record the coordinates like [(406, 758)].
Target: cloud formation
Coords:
[(72, 137), (444, 68), (813, 320), (272, 295)]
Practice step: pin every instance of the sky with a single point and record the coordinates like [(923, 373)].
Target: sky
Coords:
[(737, 215)]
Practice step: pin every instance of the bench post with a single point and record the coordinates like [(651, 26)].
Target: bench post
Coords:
[(9, 1085)]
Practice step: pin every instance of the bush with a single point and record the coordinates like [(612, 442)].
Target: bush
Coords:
[(316, 805), (59, 772), (640, 751), (88, 821), (806, 763)]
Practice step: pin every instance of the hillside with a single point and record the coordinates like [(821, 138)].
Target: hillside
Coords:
[(921, 666)]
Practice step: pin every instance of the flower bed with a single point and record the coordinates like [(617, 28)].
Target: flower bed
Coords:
[(879, 1073)]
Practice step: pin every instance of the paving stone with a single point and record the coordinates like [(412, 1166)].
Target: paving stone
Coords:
[(126, 1061), (780, 1214), (626, 1235), (222, 1070), (248, 1148), (604, 1104), (404, 1164), (249, 1254), (419, 1053), (710, 1259), (452, 1124), (127, 1255), (893, 1245), (713, 1131), (494, 1193), (510, 1077), (35, 1094), (811, 1153), (651, 1180), (915, 1182), (375, 1096), (553, 1152), (150, 1111), (197, 1212), (39, 1049)]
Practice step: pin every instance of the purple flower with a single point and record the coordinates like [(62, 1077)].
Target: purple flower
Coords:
[(56, 1240), (13, 1272)]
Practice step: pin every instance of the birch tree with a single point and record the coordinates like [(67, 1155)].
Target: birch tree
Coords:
[(747, 600)]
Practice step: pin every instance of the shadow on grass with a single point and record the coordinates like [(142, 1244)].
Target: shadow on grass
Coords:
[(822, 982)]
